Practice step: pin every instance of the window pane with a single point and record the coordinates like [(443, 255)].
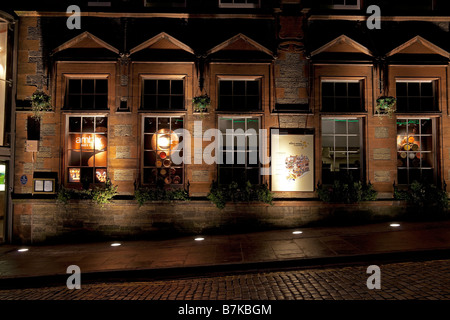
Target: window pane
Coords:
[(87, 174), (253, 88), (163, 86), (328, 126), (75, 124), (340, 126), (253, 124), (163, 123), (341, 89), (225, 87), (101, 86), (427, 89), (239, 88), (100, 175), (177, 87), (253, 102), (88, 86), (177, 123), (225, 124), (88, 124), (226, 102), (163, 102), (148, 141), (99, 159), (149, 102), (101, 102), (149, 86), (328, 89), (401, 89), (149, 158), (354, 89), (87, 102), (74, 86), (74, 175), (414, 89), (74, 102), (239, 124), (74, 158), (149, 125), (177, 102), (101, 124), (87, 159), (353, 126), (149, 176)]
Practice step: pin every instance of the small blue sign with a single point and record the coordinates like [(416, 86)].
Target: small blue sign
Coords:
[(23, 179)]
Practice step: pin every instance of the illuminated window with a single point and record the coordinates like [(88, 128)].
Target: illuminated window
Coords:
[(417, 96), (163, 94), (343, 4), (342, 96), (415, 150), (239, 3), (87, 94), (240, 147), (342, 150), (239, 95), (159, 145), (87, 143)]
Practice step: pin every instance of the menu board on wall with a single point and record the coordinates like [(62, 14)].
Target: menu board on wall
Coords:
[(292, 154)]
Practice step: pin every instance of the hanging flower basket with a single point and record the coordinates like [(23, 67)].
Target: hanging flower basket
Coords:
[(201, 103), (386, 106), (40, 102)]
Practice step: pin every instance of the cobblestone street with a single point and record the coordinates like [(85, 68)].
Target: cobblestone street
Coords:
[(426, 280)]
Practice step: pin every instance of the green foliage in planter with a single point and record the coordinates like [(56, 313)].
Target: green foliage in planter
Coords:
[(423, 195), (201, 103), (40, 102), (99, 195), (386, 105), (234, 192), (142, 195), (102, 196), (346, 190)]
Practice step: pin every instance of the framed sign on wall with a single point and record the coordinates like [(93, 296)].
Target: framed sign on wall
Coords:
[(292, 155)]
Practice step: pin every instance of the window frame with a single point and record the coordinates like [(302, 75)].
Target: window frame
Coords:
[(362, 90), (240, 5), (434, 149), (346, 6), (362, 157), (258, 79), (143, 150), (169, 3), (159, 78), (222, 149), (436, 104), (82, 77), (67, 149)]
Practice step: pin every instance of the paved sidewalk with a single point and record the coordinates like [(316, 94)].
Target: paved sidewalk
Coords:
[(314, 246)]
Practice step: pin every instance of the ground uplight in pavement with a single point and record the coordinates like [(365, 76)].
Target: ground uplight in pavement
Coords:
[(199, 239), (23, 250), (395, 225), (115, 244), (297, 232)]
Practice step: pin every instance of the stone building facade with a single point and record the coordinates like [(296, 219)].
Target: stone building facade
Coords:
[(309, 69)]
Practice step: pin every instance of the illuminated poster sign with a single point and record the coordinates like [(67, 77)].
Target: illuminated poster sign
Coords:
[(292, 154)]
